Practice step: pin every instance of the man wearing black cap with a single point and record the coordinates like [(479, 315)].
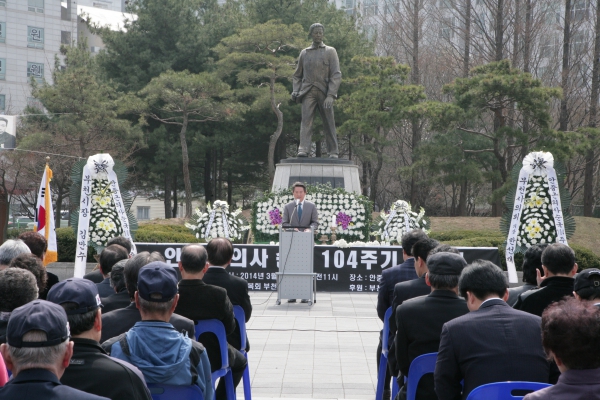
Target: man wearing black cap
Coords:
[(420, 319), (153, 345), (91, 369), (37, 352), (491, 343), (587, 285)]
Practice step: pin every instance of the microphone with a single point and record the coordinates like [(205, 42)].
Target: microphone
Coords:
[(295, 208)]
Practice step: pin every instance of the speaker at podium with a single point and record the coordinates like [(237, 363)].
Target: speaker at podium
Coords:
[(296, 278)]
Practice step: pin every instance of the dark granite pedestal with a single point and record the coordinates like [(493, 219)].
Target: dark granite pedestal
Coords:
[(337, 172)]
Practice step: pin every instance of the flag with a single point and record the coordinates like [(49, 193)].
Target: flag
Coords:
[(45, 217)]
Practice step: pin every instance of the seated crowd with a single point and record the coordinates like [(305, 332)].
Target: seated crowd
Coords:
[(110, 336), (482, 332), (132, 322)]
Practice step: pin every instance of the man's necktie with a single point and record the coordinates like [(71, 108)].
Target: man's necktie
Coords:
[(299, 212)]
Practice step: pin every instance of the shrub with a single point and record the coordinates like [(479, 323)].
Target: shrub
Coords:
[(155, 233), (67, 246), (485, 238)]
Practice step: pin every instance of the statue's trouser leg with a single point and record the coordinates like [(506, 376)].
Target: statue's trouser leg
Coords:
[(309, 103), (328, 126)]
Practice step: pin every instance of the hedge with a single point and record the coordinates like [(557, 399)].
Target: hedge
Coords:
[(67, 246), (156, 233), (584, 257)]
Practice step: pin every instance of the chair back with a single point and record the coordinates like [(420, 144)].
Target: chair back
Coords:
[(215, 327), (424, 364), (3, 372), (240, 317), (385, 348), (504, 390), (172, 392)]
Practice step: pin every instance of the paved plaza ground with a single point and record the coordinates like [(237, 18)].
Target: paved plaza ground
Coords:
[(323, 351)]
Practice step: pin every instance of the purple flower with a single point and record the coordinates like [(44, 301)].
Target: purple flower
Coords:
[(275, 217), (343, 219)]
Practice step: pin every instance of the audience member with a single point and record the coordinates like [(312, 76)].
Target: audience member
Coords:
[(587, 285), (220, 253), (492, 343), (120, 299), (532, 263), (408, 290), (37, 352), (17, 288), (108, 258), (91, 369), (96, 275), (121, 320), (558, 262), (38, 245), (199, 301), (153, 345), (32, 264), (9, 250), (571, 337), (389, 278), (420, 320)]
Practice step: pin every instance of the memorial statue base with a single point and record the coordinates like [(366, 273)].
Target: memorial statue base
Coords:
[(335, 171)]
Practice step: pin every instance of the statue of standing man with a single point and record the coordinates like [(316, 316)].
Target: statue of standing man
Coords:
[(316, 82)]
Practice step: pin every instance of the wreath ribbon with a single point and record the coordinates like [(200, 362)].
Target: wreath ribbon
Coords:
[(97, 167)]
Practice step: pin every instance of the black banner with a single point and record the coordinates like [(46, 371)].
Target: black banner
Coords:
[(353, 269)]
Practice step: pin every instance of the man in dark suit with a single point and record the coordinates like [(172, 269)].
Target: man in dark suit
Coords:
[(558, 262), (414, 288), (300, 212), (119, 299), (220, 252), (389, 278), (532, 261), (420, 319), (199, 301), (96, 275), (492, 343), (108, 258), (119, 321)]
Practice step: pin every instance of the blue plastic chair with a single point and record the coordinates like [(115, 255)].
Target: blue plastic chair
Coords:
[(240, 317), (503, 390), (383, 360), (171, 392), (216, 327), (424, 364)]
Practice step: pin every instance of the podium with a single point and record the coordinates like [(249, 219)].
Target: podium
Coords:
[(296, 279)]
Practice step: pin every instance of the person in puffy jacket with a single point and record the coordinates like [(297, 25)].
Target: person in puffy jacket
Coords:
[(164, 355)]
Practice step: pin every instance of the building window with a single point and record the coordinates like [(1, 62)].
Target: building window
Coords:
[(36, 5), (2, 68), (371, 8), (2, 3), (65, 37), (448, 27), (579, 10), (100, 5), (579, 43), (36, 70), (143, 213), (548, 48), (95, 49), (2, 32), (35, 37), (446, 4), (2, 102)]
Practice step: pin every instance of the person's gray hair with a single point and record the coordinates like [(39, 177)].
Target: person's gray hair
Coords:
[(11, 249), (155, 307), (117, 276), (17, 288), (315, 25), (37, 357)]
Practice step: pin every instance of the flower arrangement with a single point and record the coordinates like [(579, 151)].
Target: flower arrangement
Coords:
[(401, 219), (218, 221), (343, 244), (104, 220), (536, 180), (352, 213)]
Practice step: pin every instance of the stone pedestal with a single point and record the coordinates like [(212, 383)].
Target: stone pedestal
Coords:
[(337, 172)]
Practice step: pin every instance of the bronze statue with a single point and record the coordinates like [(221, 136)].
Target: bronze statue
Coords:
[(316, 82)]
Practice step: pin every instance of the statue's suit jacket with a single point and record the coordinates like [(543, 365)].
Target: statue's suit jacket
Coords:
[(320, 67), (310, 216)]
